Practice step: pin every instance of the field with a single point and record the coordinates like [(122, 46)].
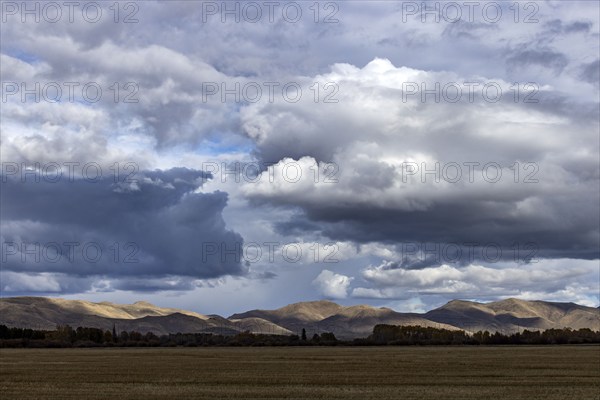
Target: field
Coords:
[(491, 373)]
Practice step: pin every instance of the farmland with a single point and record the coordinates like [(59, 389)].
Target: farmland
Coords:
[(470, 372)]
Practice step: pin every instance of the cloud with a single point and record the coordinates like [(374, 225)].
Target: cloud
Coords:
[(156, 229), (524, 188), (555, 278), (332, 285), (364, 141), (545, 58), (591, 72)]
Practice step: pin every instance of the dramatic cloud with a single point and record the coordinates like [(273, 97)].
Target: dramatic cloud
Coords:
[(407, 168), (149, 225), (442, 147)]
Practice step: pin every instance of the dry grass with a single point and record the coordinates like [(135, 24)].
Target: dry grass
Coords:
[(491, 373)]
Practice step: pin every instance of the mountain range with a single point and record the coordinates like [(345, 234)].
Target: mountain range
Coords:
[(506, 316)]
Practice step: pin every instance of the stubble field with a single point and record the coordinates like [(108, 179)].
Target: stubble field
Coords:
[(491, 373)]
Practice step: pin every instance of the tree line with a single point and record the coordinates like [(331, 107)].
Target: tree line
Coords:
[(383, 335), (418, 335)]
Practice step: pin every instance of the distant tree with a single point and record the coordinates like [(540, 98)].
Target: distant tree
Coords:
[(135, 336), (64, 333), (303, 335), (4, 332), (328, 337)]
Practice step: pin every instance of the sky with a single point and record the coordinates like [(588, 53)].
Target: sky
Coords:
[(226, 156)]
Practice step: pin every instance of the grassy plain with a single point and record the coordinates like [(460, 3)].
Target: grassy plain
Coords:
[(491, 373)]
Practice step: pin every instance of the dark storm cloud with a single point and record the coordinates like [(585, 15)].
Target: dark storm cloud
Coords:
[(561, 233), (158, 224)]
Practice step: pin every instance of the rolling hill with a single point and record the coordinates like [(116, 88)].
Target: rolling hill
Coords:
[(345, 322), (514, 315), (47, 313), (507, 316)]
